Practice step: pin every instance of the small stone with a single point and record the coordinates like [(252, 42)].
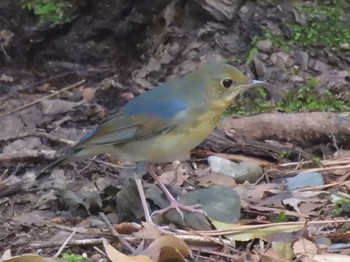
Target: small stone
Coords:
[(282, 60), (304, 180), (264, 45), (241, 172), (321, 66), (297, 79), (345, 46), (97, 223), (153, 65), (301, 58), (166, 58)]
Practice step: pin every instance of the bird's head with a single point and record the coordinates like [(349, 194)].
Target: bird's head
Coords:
[(223, 82)]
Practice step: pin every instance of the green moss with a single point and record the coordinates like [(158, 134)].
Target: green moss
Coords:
[(342, 207), (72, 257), (325, 26), (304, 99), (252, 105), (48, 11), (281, 217)]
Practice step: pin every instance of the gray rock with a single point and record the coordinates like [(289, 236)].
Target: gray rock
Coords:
[(241, 172), (153, 65), (321, 66), (221, 9), (265, 45), (301, 58), (260, 67), (23, 144), (304, 180)]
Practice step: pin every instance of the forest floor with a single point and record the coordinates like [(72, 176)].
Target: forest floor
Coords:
[(289, 198)]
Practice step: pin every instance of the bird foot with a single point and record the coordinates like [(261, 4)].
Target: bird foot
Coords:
[(178, 207)]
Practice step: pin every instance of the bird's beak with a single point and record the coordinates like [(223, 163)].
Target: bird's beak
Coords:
[(255, 83), (242, 88)]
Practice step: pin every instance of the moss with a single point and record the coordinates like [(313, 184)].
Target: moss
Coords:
[(72, 257), (48, 11), (304, 99), (342, 207), (326, 25)]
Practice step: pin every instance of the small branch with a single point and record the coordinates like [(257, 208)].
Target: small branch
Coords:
[(43, 98), (40, 134), (115, 233), (27, 155), (64, 244)]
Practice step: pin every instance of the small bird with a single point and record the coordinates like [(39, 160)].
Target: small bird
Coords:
[(165, 123)]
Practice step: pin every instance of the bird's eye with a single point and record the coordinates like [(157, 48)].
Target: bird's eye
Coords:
[(227, 83)]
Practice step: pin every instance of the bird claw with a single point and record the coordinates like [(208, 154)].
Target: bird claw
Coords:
[(178, 207)]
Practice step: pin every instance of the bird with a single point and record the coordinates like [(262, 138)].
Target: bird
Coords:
[(166, 122)]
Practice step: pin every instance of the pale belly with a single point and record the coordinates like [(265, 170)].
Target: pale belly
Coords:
[(165, 147)]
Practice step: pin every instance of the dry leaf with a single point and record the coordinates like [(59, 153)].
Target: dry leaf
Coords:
[(172, 246), (116, 256), (88, 94), (216, 179), (331, 258), (304, 250), (244, 233), (170, 254), (32, 258), (148, 231), (282, 250)]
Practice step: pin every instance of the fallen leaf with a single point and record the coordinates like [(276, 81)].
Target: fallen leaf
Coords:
[(32, 258), (282, 249), (216, 179), (331, 258), (245, 233), (304, 250), (173, 247), (116, 256)]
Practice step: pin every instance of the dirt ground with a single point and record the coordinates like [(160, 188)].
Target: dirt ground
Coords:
[(58, 82)]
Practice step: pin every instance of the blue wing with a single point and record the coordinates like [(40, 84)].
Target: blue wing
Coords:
[(141, 117), (159, 102)]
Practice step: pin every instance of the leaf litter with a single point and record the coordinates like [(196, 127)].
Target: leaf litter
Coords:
[(64, 195)]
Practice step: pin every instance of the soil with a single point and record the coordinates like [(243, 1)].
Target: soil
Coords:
[(120, 49)]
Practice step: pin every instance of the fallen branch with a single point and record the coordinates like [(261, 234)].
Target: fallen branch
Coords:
[(43, 98)]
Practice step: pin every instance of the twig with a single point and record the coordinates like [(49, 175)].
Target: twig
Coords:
[(43, 98), (27, 155), (64, 244), (100, 251), (82, 242), (115, 233), (39, 134)]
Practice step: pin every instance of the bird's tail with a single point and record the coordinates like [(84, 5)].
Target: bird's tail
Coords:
[(64, 159)]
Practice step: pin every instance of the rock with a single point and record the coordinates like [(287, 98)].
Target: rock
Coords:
[(321, 66), (241, 172), (23, 144), (264, 45), (166, 58), (304, 180), (153, 65), (260, 68), (221, 9), (282, 60), (219, 202), (301, 58)]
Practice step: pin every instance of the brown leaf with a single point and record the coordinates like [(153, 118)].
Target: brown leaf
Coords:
[(304, 250), (172, 246), (116, 256)]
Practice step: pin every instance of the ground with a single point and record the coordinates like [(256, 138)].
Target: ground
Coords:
[(59, 78)]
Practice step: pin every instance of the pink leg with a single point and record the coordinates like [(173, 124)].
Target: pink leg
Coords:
[(174, 204)]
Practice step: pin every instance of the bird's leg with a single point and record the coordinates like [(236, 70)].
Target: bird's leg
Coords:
[(174, 204)]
